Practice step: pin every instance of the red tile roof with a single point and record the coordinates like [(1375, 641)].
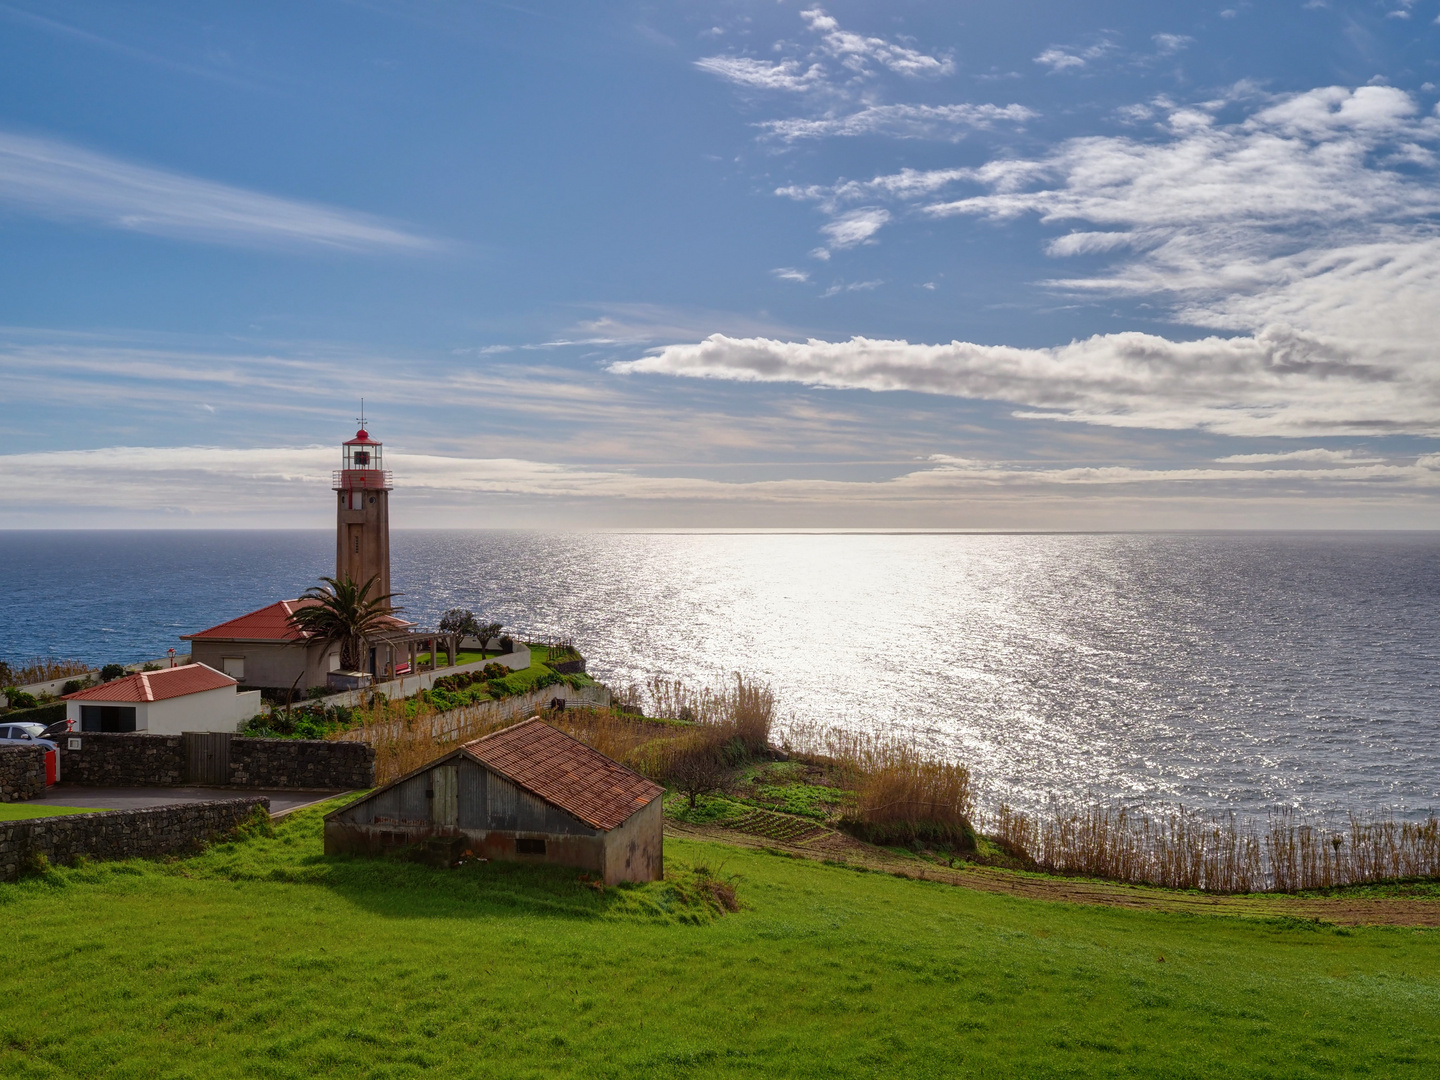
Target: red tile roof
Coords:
[(564, 771), (157, 685), (270, 623)]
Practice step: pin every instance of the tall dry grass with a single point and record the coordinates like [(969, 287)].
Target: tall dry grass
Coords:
[(901, 793), (44, 669), (1186, 851), (726, 722)]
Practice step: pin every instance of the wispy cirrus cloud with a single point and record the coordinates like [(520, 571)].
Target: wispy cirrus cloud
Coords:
[(1069, 58), (57, 180), (948, 123), (1318, 210), (838, 74), (755, 74), (207, 483), (859, 53)]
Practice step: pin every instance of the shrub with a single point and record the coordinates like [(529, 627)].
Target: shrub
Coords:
[(19, 699), (74, 686), (111, 671)]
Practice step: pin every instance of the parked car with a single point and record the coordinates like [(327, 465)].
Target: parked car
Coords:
[(27, 732)]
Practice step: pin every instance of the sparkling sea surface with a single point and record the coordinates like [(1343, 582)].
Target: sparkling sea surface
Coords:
[(1215, 671)]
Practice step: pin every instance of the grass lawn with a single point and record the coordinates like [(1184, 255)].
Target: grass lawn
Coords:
[(462, 656), (263, 958), (12, 811)]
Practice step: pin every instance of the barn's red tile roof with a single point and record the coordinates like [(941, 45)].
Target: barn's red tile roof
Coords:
[(564, 771), (157, 685), (270, 623)]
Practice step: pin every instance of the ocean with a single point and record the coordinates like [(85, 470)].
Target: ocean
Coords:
[(1218, 672)]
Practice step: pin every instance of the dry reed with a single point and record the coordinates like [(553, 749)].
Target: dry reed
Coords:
[(900, 793), (44, 669), (408, 734), (1185, 851)]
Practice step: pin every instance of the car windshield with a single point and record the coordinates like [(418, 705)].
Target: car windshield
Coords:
[(18, 730)]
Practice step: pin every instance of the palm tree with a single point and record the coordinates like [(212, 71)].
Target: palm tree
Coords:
[(345, 612)]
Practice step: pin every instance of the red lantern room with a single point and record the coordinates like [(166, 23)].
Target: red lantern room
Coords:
[(362, 465)]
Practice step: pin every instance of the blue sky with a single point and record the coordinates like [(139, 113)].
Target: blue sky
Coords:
[(959, 265)]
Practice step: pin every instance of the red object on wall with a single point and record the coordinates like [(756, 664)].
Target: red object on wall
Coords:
[(52, 767)]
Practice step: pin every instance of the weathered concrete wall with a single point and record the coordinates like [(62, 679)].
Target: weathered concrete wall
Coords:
[(314, 764), (636, 850), (22, 773), (121, 834), (113, 759)]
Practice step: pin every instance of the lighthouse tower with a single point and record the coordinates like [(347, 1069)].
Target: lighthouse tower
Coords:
[(362, 523)]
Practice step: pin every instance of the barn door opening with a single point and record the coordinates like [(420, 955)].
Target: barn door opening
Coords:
[(445, 809)]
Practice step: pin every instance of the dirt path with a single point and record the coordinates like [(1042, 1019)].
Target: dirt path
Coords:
[(796, 836)]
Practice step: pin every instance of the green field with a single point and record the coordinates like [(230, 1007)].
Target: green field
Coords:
[(263, 958), (20, 811)]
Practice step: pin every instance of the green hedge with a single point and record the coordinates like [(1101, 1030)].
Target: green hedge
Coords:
[(44, 714)]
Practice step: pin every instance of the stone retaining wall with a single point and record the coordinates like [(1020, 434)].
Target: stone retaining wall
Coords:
[(22, 773), (313, 764), (180, 829), (115, 759)]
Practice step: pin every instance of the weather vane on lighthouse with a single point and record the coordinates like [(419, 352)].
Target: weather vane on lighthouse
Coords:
[(361, 418)]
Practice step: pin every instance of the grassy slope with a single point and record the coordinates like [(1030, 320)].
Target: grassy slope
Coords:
[(264, 959), (21, 811)]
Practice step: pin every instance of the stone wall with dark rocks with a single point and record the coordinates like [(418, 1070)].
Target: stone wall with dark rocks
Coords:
[(181, 829), (313, 764), (22, 773), (115, 759)]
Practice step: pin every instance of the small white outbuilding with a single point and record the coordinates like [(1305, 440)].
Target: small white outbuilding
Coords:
[(192, 697)]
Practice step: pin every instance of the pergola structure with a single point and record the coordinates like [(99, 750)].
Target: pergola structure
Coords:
[(397, 652)]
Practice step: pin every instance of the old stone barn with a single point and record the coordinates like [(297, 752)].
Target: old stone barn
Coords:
[(527, 793)]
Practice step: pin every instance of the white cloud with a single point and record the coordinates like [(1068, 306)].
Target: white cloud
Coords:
[(56, 180), (1169, 44), (1317, 454), (937, 122), (789, 273), (1277, 382), (788, 75), (852, 286), (1062, 58), (1317, 211), (855, 227), (1057, 59), (207, 483), (857, 52)]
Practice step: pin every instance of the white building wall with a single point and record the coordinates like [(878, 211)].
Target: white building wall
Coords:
[(221, 709)]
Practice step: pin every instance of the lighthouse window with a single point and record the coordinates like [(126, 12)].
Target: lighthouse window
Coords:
[(357, 500), (362, 458)]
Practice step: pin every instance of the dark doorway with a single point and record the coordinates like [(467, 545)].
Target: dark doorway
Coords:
[(107, 718)]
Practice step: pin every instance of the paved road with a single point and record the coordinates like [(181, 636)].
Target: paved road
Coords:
[(121, 798)]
